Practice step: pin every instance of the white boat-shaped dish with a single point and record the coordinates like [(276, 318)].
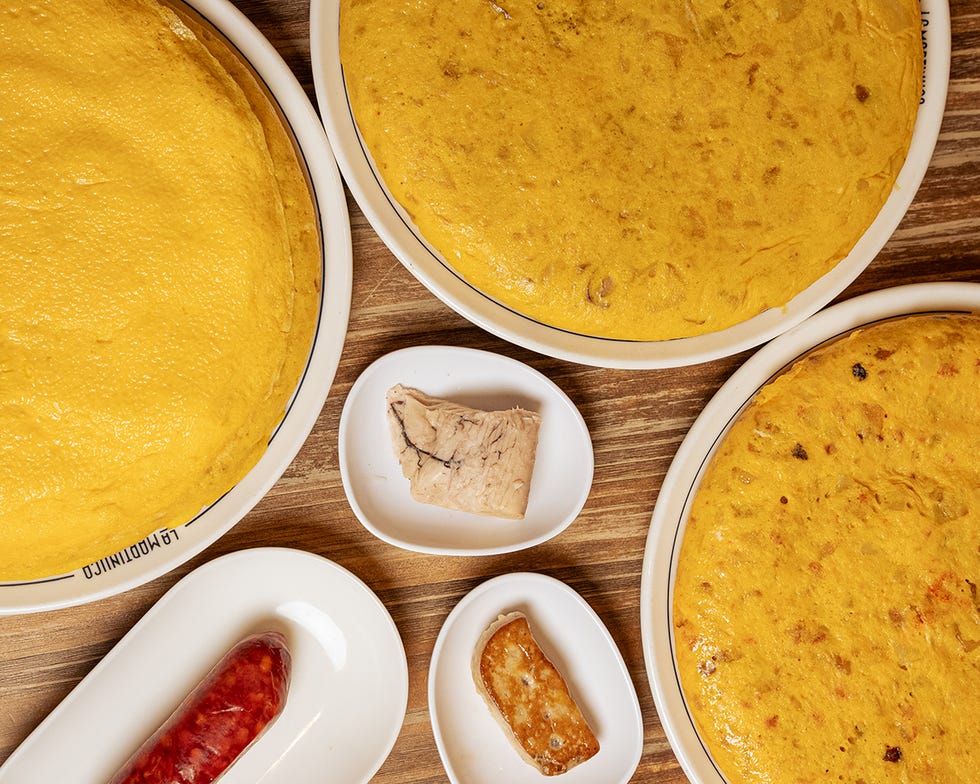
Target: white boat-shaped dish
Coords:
[(379, 493), (684, 475), (400, 234), (347, 694), (165, 549), (473, 746)]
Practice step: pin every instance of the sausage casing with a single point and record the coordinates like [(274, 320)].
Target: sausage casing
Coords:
[(216, 722)]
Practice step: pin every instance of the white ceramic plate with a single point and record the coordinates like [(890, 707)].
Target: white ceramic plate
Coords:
[(673, 502), (399, 233), (347, 694), (162, 551), (473, 746), (379, 493)]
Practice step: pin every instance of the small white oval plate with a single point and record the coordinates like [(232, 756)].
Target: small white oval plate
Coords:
[(347, 694), (673, 503), (473, 746), (379, 493)]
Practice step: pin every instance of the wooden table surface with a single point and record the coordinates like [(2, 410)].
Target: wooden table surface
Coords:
[(637, 420)]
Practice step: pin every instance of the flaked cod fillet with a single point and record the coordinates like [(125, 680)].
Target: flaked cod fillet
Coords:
[(463, 458)]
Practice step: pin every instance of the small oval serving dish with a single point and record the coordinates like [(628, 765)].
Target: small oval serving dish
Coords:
[(379, 493), (473, 746), (345, 651)]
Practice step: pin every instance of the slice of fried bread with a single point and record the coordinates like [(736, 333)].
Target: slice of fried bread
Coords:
[(530, 699)]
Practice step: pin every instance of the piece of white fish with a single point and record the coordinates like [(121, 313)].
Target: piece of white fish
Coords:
[(462, 458)]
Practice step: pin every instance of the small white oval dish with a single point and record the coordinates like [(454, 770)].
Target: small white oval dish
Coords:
[(347, 695), (685, 472), (472, 745), (401, 235), (379, 493)]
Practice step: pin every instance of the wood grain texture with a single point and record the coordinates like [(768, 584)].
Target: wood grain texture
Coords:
[(637, 420)]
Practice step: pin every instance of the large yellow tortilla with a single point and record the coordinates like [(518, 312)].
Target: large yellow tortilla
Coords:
[(640, 170), (826, 613), (159, 268)]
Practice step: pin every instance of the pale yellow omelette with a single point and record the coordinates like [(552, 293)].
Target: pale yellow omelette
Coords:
[(159, 269)]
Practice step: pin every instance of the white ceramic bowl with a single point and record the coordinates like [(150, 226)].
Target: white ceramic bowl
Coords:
[(164, 550), (676, 494), (399, 233)]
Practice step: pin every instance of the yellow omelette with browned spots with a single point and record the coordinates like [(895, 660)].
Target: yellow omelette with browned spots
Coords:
[(636, 170), (826, 613)]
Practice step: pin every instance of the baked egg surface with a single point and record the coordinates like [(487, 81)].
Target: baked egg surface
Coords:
[(826, 615), (632, 170), (159, 276)]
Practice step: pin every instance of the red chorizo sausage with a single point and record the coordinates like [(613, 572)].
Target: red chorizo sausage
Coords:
[(218, 720)]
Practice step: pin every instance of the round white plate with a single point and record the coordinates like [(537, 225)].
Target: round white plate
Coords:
[(403, 238), (347, 694), (165, 549), (673, 502), (379, 494), (473, 746)]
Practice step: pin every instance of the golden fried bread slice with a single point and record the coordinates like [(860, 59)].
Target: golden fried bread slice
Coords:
[(530, 699)]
